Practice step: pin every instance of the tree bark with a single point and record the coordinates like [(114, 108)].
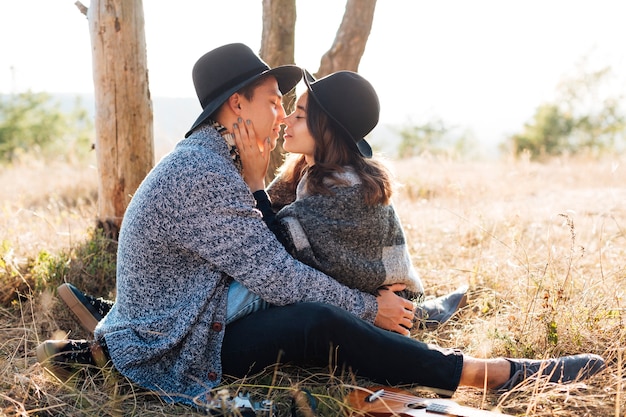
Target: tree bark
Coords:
[(351, 38), (278, 45), (123, 107), (277, 48)]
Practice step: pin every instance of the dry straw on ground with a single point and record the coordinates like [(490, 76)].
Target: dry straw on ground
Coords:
[(543, 247)]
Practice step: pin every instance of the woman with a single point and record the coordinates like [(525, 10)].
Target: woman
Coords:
[(191, 230), (335, 202)]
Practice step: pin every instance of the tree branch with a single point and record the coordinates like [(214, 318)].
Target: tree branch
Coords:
[(83, 9)]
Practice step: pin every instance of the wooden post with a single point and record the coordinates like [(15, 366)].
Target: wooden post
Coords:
[(123, 108)]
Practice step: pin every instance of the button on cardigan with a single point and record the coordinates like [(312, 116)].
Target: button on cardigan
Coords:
[(190, 229)]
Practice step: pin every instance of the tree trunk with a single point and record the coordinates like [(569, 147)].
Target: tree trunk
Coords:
[(278, 44), (277, 48), (351, 38), (123, 108)]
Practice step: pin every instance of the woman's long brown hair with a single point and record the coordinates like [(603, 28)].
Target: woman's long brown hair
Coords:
[(335, 150)]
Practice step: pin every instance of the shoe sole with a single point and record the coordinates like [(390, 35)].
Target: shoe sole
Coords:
[(79, 306), (44, 352)]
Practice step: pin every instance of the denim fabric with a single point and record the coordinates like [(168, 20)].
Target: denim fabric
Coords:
[(241, 302), (191, 223)]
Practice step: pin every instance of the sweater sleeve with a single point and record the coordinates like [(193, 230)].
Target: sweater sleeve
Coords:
[(213, 215)]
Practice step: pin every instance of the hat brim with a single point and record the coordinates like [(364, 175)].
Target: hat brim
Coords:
[(287, 77), (361, 145)]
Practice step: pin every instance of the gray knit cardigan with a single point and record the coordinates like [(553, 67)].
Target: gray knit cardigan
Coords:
[(189, 229), (362, 246)]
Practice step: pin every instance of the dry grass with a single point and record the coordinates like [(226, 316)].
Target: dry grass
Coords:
[(543, 247)]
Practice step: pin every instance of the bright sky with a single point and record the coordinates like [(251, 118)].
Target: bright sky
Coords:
[(482, 64)]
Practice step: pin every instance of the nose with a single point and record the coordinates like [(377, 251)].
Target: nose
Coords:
[(287, 118), (281, 113)]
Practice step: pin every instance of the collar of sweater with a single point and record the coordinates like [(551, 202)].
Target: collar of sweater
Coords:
[(230, 141), (347, 178)]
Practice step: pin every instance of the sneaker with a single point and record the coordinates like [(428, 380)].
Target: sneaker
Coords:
[(66, 358), (89, 310), (433, 313), (562, 370)]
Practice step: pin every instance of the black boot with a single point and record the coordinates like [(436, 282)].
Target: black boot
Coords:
[(87, 309), (65, 358)]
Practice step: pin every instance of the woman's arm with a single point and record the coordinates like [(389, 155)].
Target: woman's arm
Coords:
[(279, 229), (254, 161)]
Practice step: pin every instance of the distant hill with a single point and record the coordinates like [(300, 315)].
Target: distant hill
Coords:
[(173, 116)]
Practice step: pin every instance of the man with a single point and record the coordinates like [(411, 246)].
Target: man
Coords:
[(191, 241)]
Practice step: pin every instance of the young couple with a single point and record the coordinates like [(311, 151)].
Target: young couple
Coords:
[(204, 288)]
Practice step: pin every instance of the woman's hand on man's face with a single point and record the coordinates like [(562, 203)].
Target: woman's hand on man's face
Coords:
[(254, 157)]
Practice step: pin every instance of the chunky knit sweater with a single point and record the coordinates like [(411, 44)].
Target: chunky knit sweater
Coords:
[(362, 246), (189, 229)]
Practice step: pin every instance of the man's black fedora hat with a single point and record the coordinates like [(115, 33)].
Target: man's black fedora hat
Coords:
[(220, 73), (350, 101)]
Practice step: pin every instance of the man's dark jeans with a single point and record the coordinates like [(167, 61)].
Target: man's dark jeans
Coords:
[(303, 334)]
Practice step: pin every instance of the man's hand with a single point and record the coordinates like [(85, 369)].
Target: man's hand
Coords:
[(394, 312)]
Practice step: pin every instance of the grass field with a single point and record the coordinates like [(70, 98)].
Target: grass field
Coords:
[(542, 246)]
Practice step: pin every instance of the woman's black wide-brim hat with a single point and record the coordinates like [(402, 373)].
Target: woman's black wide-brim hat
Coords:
[(350, 101), (220, 73)]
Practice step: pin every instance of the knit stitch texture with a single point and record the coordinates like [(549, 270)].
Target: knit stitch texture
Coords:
[(189, 229), (362, 246)]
